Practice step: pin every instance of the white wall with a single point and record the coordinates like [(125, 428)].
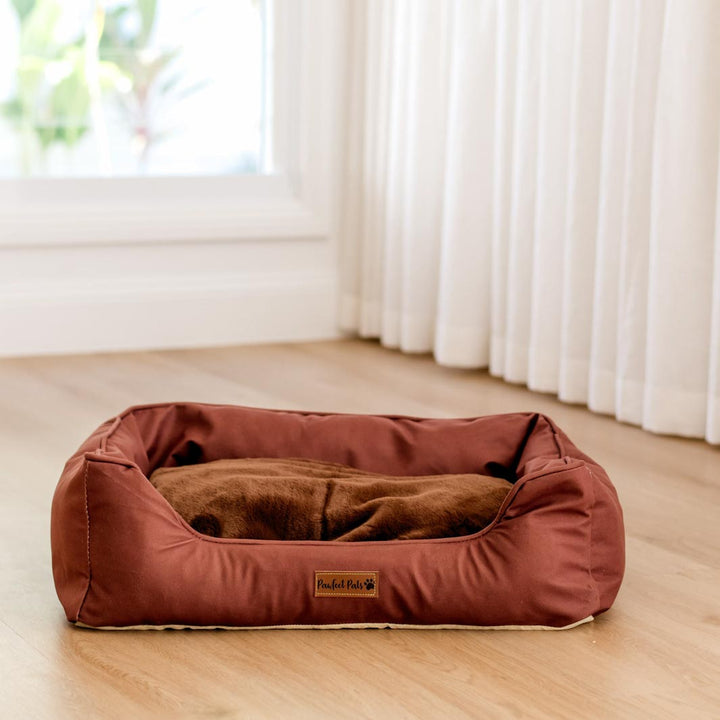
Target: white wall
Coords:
[(84, 299)]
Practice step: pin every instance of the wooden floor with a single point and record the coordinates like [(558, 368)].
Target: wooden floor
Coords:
[(655, 654)]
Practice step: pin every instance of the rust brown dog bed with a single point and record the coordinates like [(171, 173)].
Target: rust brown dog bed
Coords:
[(481, 522)]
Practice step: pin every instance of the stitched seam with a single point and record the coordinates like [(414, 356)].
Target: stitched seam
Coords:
[(556, 437), (87, 539), (594, 589), (532, 425), (336, 595), (349, 572)]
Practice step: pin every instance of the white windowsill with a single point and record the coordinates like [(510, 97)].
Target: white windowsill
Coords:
[(56, 213)]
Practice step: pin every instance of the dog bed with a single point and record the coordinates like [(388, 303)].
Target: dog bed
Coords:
[(550, 554)]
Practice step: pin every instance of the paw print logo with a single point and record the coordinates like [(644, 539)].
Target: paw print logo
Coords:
[(369, 584)]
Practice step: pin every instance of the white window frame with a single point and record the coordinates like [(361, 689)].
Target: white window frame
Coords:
[(293, 202)]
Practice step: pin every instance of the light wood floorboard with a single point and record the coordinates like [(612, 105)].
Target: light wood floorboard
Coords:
[(656, 654)]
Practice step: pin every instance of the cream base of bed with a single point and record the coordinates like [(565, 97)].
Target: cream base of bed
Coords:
[(340, 626)]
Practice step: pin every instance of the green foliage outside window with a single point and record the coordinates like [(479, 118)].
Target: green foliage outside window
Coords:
[(60, 85)]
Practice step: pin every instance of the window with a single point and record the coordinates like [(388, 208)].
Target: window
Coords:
[(246, 147), (125, 88)]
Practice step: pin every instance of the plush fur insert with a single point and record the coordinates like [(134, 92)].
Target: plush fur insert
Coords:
[(300, 499)]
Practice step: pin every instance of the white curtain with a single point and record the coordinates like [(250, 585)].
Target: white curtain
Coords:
[(532, 186)]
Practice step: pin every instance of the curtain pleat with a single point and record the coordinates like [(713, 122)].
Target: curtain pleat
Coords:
[(425, 126), (603, 377), (548, 256), (465, 270), (634, 257), (532, 186), (522, 194), (506, 53), (586, 115), (396, 180)]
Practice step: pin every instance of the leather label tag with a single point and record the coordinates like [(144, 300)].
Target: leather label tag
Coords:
[(345, 583)]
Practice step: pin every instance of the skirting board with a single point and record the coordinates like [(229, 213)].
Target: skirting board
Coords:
[(153, 313)]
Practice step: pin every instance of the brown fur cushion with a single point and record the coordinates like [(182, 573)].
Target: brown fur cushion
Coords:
[(300, 499)]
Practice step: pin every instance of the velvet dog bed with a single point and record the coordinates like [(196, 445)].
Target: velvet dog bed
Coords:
[(196, 515)]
